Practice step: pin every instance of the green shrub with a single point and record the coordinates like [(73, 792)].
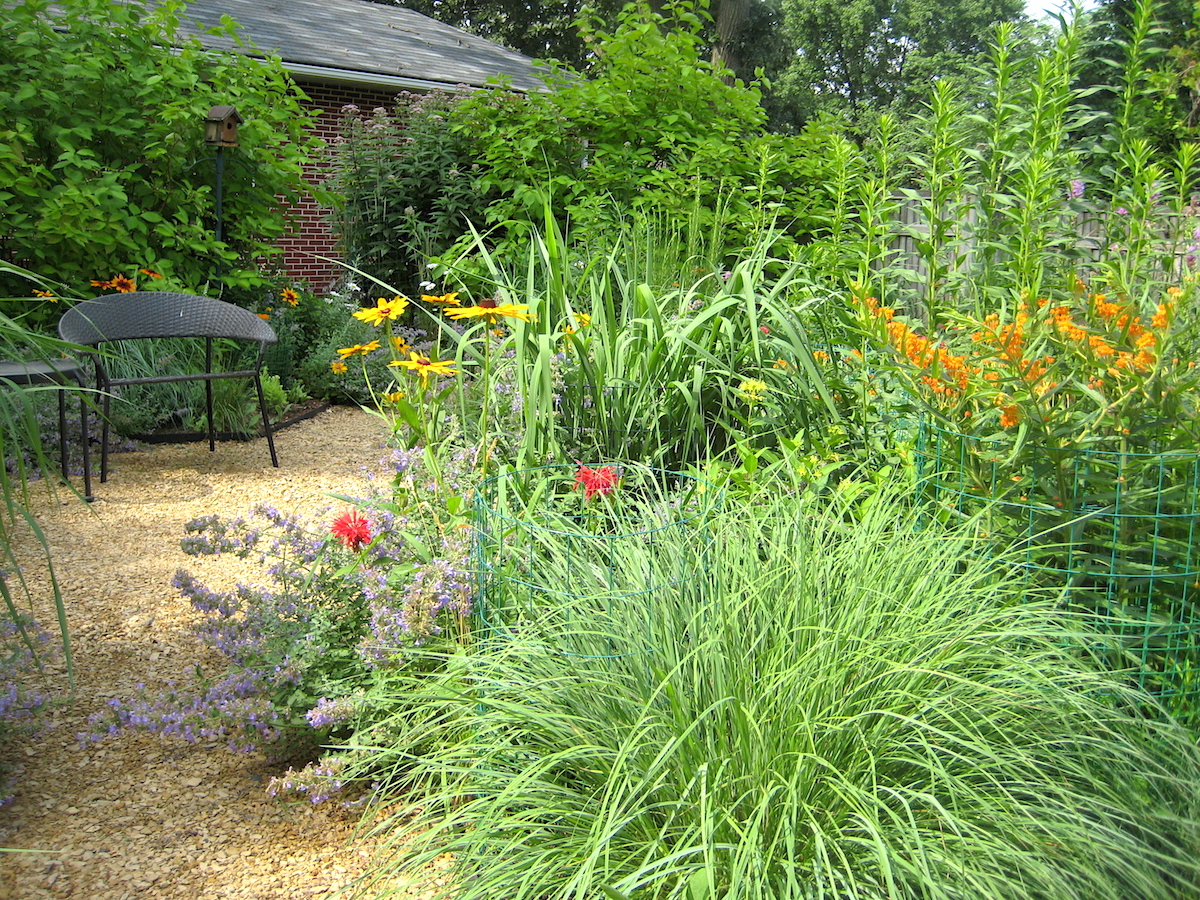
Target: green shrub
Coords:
[(102, 163), (405, 186), (653, 131)]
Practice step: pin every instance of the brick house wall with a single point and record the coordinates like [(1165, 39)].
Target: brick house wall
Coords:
[(312, 234)]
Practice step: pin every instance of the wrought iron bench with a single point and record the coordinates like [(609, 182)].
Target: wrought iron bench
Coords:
[(163, 314)]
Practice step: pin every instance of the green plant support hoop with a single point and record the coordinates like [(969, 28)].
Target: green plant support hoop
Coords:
[(555, 566), (1117, 531)]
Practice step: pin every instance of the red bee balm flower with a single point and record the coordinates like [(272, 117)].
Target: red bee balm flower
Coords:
[(596, 481), (352, 530)]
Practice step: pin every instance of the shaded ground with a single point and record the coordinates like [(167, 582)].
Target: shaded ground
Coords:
[(139, 815)]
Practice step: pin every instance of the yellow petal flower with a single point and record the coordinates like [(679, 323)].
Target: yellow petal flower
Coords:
[(383, 310), (424, 366), (492, 311)]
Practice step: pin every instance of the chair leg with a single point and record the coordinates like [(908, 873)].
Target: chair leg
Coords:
[(262, 407), (208, 392), (62, 435), (104, 440), (208, 406), (86, 439)]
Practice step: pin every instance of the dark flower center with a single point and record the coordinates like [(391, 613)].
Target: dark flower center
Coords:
[(489, 303)]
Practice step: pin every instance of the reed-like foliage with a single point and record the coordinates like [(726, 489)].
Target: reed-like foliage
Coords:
[(614, 367), (25, 459), (1006, 197), (841, 706)]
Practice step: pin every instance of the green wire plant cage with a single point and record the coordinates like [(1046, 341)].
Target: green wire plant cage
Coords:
[(1116, 530), (567, 555)]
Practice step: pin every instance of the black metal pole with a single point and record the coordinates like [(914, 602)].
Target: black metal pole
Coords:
[(220, 198)]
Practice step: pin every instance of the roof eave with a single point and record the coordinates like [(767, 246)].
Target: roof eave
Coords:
[(329, 75)]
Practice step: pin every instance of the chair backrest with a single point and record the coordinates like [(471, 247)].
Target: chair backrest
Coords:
[(160, 314)]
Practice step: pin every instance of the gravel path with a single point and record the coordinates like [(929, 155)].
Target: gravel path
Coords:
[(139, 816)]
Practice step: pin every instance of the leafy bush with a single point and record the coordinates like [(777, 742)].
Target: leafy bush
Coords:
[(653, 134), (840, 706), (101, 155), (405, 186)]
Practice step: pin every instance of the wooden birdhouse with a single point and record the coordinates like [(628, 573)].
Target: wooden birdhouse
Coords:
[(221, 126)]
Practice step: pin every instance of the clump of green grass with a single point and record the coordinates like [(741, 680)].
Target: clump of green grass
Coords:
[(842, 706)]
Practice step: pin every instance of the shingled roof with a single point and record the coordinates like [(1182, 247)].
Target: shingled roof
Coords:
[(358, 42)]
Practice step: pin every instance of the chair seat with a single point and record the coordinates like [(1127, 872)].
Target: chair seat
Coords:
[(39, 372)]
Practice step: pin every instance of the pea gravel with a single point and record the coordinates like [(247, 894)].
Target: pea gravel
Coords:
[(141, 816)]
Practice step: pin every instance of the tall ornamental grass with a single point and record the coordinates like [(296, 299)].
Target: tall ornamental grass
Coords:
[(841, 706)]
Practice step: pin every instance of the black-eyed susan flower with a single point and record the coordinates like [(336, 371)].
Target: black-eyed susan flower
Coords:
[(582, 320), (492, 311), (424, 366), (364, 349), (338, 367), (290, 297), (450, 299), (123, 284), (45, 295), (383, 310)]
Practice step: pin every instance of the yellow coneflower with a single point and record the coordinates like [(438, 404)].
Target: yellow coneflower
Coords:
[(490, 310), (424, 366), (383, 310)]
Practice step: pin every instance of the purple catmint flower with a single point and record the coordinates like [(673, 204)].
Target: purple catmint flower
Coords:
[(1077, 188), (331, 712)]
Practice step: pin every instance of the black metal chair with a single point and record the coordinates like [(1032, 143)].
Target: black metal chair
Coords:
[(163, 314), (63, 372)]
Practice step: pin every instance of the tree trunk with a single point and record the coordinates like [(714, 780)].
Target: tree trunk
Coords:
[(731, 16)]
